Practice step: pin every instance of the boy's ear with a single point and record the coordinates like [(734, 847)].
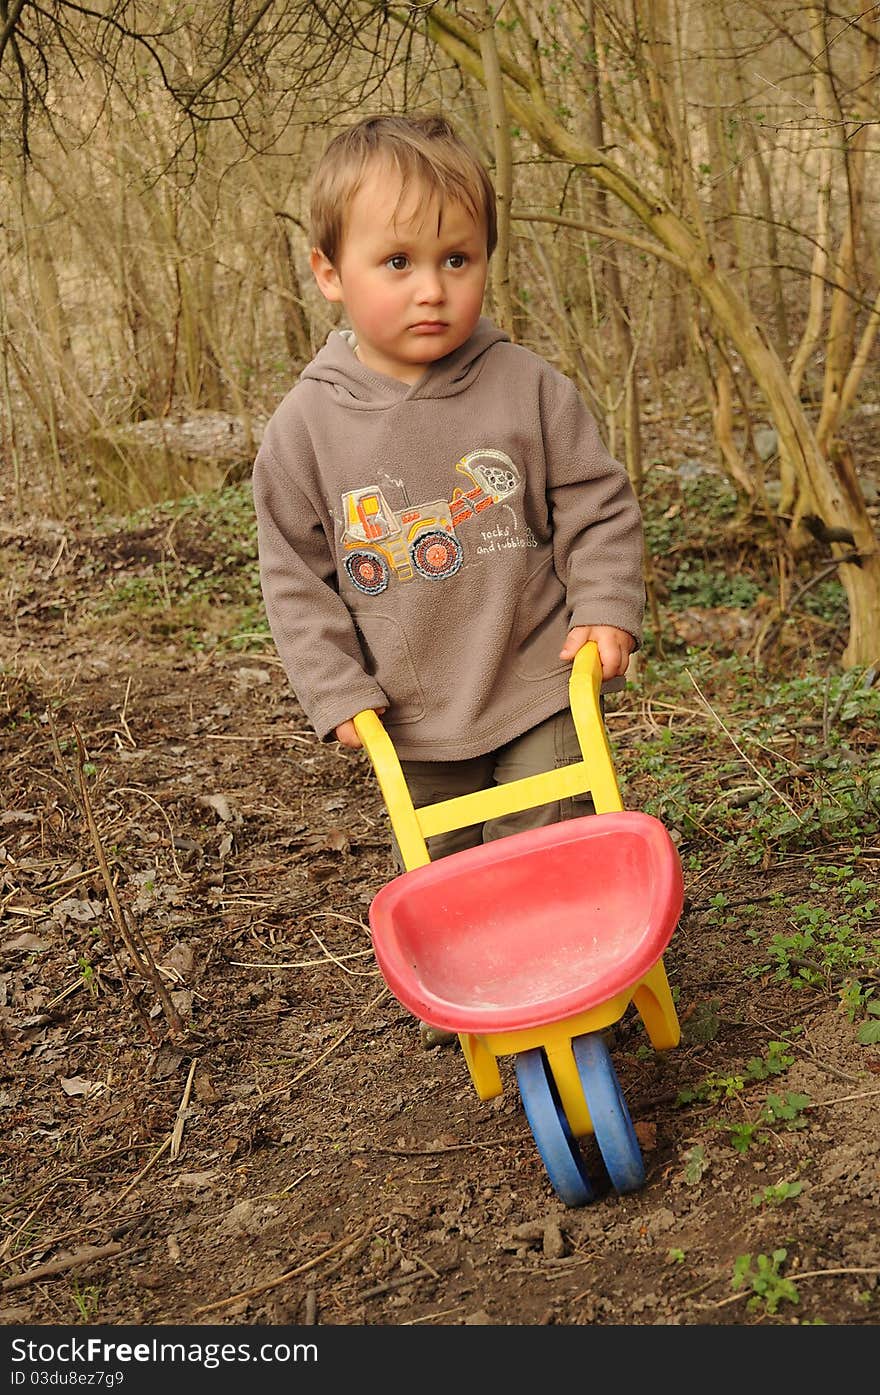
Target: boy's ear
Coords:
[(325, 274)]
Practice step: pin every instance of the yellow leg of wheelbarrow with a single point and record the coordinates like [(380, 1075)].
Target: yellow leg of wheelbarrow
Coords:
[(653, 1000)]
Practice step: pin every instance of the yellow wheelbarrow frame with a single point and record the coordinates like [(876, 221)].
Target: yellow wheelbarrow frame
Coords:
[(594, 773)]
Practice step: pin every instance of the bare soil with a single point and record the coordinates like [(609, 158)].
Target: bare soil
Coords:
[(292, 1155)]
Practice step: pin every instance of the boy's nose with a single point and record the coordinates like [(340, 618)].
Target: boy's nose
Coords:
[(430, 289)]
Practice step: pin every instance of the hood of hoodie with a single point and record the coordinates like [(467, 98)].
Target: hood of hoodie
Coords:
[(357, 386)]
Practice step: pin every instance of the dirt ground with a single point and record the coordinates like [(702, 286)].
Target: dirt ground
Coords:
[(292, 1155)]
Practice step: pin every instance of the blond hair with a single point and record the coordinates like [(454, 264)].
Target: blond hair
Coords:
[(423, 150)]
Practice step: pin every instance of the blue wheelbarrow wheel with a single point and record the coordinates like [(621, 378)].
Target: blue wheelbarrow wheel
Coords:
[(609, 1115), (556, 1143)]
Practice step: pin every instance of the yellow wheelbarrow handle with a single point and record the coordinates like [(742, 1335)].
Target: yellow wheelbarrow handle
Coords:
[(593, 773)]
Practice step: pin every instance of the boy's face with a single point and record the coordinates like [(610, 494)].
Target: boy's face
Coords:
[(411, 278)]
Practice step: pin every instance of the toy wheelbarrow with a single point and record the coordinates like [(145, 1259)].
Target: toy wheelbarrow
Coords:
[(531, 946)]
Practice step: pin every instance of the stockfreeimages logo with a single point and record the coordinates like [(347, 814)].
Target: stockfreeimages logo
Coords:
[(93, 1351)]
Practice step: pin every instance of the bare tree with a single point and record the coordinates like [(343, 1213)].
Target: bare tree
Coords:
[(680, 236)]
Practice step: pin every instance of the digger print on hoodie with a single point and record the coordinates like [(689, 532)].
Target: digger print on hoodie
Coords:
[(426, 548), (420, 540)]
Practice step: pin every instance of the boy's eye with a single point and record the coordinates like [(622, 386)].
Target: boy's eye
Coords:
[(398, 262), (456, 260)]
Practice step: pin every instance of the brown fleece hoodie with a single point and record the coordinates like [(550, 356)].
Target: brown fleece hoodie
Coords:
[(427, 548)]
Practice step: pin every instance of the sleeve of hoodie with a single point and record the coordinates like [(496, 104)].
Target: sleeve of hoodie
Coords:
[(596, 520), (311, 625)]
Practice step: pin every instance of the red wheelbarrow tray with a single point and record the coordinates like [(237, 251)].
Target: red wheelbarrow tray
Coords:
[(532, 928)]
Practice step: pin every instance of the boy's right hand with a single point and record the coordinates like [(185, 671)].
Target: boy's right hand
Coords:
[(346, 734)]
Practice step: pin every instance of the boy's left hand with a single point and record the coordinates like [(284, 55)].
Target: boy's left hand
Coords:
[(615, 647)]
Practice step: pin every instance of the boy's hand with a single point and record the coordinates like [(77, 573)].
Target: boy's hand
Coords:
[(615, 647), (347, 736)]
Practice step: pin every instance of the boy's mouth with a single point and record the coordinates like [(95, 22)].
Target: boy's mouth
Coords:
[(429, 327)]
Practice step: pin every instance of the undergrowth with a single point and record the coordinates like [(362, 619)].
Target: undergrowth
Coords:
[(760, 766), (198, 580), (757, 764)]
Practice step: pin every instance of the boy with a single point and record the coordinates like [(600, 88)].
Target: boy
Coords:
[(440, 527)]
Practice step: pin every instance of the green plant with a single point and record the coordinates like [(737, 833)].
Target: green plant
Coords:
[(696, 1164), (719, 1087), (696, 584), (820, 947), (86, 1301), (779, 1111), (776, 1194), (205, 588), (827, 600), (779, 773), (702, 495), (742, 1135), (786, 1110), (855, 999), (765, 765), (869, 1032), (712, 1089), (765, 1279), (777, 1060), (88, 976)]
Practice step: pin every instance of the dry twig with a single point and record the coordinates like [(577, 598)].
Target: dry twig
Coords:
[(143, 1172), (736, 746), (349, 1243), (138, 949), (86, 1255), (280, 1089), (177, 1134)]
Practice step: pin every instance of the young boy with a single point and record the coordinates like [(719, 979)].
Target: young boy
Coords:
[(440, 527)]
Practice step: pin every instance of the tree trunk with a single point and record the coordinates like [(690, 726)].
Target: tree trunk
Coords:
[(614, 282), (503, 168), (294, 323)]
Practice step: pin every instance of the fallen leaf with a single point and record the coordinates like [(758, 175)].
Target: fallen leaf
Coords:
[(337, 840), (24, 942), (78, 909), (222, 807), (78, 1085), (248, 677), (703, 1023), (646, 1133), (181, 843), (166, 1062), (204, 1088), (321, 874), (183, 1001), (199, 1181), (553, 1241), (179, 960)]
